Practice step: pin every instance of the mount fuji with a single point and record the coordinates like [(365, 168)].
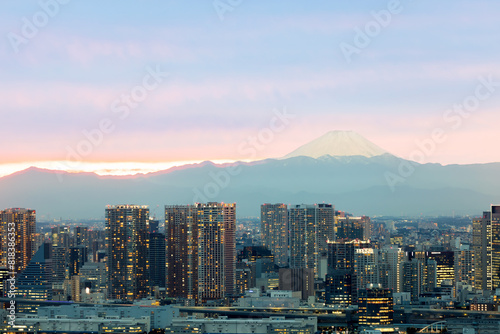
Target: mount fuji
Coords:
[(338, 144), (342, 168)]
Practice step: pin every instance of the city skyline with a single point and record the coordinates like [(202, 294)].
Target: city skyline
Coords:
[(213, 78), (236, 166), (365, 273)]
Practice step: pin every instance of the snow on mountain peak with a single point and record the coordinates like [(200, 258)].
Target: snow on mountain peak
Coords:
[(338, 144)]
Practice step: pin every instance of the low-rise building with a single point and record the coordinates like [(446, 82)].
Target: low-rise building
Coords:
[(275, 325), (471, 325), (90, 325), (273, 298), (159, 316)]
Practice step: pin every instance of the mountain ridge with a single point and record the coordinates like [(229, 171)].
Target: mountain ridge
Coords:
[(352, 184)]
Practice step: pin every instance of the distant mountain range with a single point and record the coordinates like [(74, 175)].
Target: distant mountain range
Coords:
[(341, 168)]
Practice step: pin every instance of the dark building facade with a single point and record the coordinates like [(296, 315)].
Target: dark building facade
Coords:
[(375, 306), (356, 257), (297, 280), (35, 281), (413, 278), (439, 267), (351, 228), (81, 235), (338, 287), (76, 259), (157, 259)]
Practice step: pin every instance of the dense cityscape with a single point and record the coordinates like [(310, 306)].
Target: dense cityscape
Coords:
[(304, 268)]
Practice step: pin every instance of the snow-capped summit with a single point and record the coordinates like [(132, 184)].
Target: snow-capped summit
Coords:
[(338, 144)]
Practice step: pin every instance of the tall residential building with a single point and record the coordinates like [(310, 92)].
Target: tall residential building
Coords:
[(24, 223), (127, 239), (390, 259), (326, 226), (274, 231), (216, 250), (495, 246), (481, 247), (181, 234), (59, 264), (413, 278), (430, 275), (464, 266), (76, 288), (311, 227), (201, 253), (384, 272), (366, 267), (486, 248)]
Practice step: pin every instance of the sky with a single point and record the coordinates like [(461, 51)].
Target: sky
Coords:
[(120, 87)]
